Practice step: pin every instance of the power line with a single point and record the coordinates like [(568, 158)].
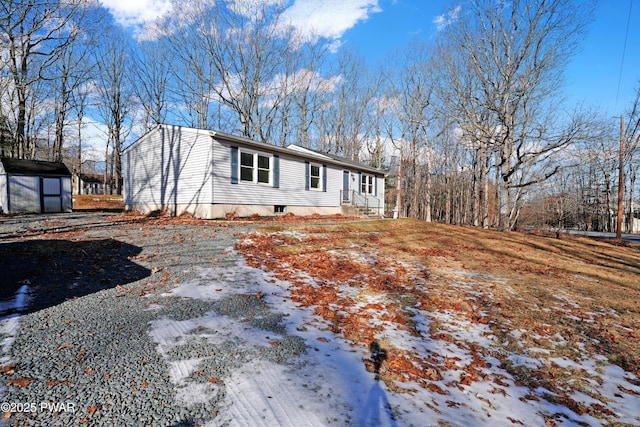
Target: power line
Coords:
[(624, 49)]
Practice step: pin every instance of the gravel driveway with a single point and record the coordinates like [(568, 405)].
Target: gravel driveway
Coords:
[(79, 293)]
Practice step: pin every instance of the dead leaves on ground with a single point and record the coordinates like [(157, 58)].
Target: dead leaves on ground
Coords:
[(20, 382), (369, 261)]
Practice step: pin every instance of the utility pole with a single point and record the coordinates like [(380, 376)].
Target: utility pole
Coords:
[(620, 182)]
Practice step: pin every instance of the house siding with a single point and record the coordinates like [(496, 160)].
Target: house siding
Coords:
[(168, 167), (291, 186)]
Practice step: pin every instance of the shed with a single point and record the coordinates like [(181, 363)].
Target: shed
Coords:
[(34, 186), (211, 174)]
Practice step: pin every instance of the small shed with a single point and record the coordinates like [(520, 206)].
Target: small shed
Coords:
[(34, 186)]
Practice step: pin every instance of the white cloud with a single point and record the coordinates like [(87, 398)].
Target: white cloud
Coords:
[(136, 12), (329, 18), (313, 18), (446, 19)]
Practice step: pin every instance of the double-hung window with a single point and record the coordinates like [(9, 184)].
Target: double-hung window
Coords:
[(315, 176), (368, 186), (255, 167)]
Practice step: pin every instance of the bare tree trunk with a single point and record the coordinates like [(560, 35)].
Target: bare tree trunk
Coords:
[(427, 190), (476, 168), (79, 153), (397, 212), (106, 164)]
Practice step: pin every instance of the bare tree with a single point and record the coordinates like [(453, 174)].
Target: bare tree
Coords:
[(411, 84), (303, 90), (344, 121), (232, 55), (115, 96), (151, 73), (32, 34), (72, 70), (513, 54)]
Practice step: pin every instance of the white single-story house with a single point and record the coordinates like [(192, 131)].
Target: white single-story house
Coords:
[(91, 183), (215, 175), (34, 186)]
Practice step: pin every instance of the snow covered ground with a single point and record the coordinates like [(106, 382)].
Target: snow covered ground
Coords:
[(328, 383)]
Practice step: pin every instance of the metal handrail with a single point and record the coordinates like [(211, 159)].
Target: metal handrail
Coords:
[(365, 201)]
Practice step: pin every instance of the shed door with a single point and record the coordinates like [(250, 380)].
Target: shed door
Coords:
[(51, 195)]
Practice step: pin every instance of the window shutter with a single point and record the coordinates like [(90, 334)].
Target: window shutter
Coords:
[(375, 186), (324, 178), (307, 173), (359, 182), (234, 165), (276, 171)]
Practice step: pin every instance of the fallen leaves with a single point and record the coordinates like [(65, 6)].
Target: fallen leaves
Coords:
[(7, 369), (80, 357), (377, 275), (63, 346), (55, 382), (20, 382), (366, 279)]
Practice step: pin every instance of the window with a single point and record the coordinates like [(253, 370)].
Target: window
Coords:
[(315, 177), (255, 167), (368, 184), (246, 167), (263, 169)]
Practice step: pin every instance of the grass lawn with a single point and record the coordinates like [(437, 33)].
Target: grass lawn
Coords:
[(450, 304), (97, 202)]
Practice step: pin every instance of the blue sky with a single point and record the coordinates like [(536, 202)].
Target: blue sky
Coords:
[(376, 27), (592, 76)]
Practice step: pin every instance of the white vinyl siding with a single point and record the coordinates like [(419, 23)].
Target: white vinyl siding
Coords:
[(168, 166), (290, 190)]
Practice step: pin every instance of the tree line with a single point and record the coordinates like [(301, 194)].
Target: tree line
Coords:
[(471, 125)]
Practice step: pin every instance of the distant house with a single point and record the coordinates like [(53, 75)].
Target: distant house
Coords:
[(215, 175), (91, 183), (34, 186)]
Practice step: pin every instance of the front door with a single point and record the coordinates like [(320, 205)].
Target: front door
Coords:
[(345, 186)]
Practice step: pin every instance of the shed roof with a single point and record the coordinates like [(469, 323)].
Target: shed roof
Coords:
[(33, 167)]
